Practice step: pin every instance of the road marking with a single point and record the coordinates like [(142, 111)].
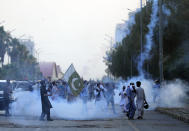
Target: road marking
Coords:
[(132, 125)]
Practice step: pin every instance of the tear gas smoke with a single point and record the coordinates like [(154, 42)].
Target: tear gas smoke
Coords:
[(29, 104), (172, 93), (149, 41)]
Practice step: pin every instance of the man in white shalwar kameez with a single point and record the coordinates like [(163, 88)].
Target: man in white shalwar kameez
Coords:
[(123, 100), (140, 100)]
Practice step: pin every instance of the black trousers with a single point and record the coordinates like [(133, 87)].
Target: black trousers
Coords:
[(6, 106), (45, 113)]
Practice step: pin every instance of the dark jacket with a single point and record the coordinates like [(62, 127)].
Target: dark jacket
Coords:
[(7, 92), (46, 104)]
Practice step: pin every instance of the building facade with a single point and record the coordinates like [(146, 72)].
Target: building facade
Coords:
[(50, 70)]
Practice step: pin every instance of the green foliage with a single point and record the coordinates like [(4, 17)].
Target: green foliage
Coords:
[(4, 42), (22, 66), (175, 48)]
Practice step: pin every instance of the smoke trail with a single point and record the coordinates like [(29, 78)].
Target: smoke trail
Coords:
[(28, 104), (149, 40)]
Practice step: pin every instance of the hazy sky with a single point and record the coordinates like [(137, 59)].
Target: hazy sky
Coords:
[(68, 31)]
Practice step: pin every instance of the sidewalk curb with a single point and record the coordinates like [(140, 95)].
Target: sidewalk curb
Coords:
[(168, 111)]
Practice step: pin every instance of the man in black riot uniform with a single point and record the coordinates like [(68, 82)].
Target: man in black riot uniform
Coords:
[(46, 105)]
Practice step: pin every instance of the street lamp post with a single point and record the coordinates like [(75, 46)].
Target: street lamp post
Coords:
[(141, 33), (160, 42)]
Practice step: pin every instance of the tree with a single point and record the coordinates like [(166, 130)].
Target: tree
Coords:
[(22, 65)]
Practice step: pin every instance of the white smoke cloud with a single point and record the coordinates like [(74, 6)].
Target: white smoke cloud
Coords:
[(29, 104), (172, 93)]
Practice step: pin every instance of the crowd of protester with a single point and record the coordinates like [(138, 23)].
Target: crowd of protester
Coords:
[(132, 96)]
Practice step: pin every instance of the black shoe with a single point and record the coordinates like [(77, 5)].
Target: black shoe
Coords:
[(50, 119), (130, 118), (138, 117)]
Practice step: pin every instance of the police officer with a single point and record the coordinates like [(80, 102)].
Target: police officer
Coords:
[(46, 105)]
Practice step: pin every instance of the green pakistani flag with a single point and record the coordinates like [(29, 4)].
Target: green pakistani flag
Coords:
[(74, 80)]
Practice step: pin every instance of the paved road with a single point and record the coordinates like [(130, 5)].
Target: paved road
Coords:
[(153, 121)]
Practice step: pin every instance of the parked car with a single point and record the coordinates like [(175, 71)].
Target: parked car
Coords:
[(23, 85)]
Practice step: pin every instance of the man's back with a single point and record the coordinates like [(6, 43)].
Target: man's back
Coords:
[(140, 93)]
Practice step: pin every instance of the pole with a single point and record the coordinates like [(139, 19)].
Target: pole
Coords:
[(141, 29), (160, 42), (131, 67)]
